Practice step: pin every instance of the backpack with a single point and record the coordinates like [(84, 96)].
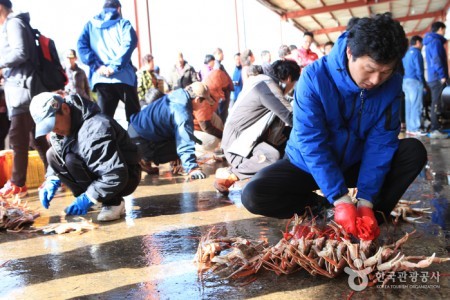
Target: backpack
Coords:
[(48, 67)]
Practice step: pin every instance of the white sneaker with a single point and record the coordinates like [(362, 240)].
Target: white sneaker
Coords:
[(436, 134), (111, 213), (416, 133)]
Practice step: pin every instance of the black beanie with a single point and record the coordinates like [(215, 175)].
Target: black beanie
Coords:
[(6, 3), (111, 4)]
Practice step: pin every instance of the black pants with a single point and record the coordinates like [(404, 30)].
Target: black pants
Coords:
[(4, 128), (75, 175), (109, 94), (282, 189), (21, 136), (158, 153), (436, 88)]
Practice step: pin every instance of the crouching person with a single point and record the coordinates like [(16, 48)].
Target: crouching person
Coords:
[(255, 133), (164, 130), (91, 154)]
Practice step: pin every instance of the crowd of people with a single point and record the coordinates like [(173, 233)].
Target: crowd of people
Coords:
[(291, 126)]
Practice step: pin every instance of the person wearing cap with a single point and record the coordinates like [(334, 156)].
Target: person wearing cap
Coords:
[(220, 86), (91, 154), (18, 57), (164, 130), (254, 136), (106, 45), (78, 82)]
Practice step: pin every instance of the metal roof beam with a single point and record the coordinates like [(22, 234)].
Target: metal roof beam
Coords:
[(329, 8), (402, 19)]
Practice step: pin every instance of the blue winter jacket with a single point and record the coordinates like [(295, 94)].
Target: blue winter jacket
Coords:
[(108, 40), (413, 65), (436, 56), (337, 125), (169, 118)]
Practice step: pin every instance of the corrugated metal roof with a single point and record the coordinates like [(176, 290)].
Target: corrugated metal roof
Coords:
[(328, 18)]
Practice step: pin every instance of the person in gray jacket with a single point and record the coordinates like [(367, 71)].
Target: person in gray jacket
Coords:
[(17, 59), (254, 136), (91, 154)]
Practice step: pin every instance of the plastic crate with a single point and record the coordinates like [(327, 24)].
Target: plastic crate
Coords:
[(35, 170)]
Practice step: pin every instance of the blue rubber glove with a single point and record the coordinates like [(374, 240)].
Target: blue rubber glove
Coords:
[(48, 189), (80, 206)]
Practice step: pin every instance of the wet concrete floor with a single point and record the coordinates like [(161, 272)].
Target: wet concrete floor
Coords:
[(149, 254)]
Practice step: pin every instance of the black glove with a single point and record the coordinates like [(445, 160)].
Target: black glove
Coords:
[(197, 174)]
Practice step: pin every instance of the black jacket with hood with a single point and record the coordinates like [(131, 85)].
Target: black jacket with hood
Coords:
[(102, 144)]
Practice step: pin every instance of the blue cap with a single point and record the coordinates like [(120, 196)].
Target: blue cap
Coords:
[(43, 108)]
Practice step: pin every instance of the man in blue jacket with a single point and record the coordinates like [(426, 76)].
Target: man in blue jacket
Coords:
[(345, 134), (106, 45), (413, 84), (164, 130), (437, 70)]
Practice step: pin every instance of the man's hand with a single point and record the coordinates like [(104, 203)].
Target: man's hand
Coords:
[(368, 229), (105, 71), (80, 206), (197, 174), (345, 214), (48, 189)]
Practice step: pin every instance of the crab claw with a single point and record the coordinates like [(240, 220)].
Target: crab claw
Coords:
[(425, 210), (413, 220), (407, 202)]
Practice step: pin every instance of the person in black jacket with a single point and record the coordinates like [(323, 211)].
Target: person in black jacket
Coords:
[(91, 154)]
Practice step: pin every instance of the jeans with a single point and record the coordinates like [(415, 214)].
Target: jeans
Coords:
[(282, 189), (436, 88), (413, 103)]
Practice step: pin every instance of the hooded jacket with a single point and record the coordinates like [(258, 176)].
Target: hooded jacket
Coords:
[(17, 59), (436, 56), (337, 124), (102, 144), (169, 118), (108, 40)]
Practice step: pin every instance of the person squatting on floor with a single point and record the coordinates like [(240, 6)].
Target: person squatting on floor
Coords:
[(254, 135), (91, 154), (164, 129), (345, 134)]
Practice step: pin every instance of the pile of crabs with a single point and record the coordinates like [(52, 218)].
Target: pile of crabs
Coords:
[(15, 216), (320, 250)]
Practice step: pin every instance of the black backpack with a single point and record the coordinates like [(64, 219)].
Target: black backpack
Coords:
[(48, 67)]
